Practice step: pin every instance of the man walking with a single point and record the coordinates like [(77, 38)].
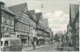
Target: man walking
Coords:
[(34, 43)]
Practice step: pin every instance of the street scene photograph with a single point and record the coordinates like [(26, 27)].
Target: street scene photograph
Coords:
[(39, 25)]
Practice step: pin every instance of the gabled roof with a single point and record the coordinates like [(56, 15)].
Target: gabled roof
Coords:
[(32, 12), (17, 9), (4, 8), (74, 9), (38, 16)]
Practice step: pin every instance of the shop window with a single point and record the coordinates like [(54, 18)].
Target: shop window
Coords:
[(6, 43)]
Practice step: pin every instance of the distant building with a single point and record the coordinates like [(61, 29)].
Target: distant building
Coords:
[(22, 22), (47, 35), (45, 21), (47, 31), (7, 22)]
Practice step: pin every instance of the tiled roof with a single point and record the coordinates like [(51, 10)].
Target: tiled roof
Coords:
[(7, 9), (31, 12), (17, 9), (74, 9)]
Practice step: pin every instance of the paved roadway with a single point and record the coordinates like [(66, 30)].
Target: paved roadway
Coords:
[(52, 47)]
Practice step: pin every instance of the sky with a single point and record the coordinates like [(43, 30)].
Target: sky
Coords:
[(56, 11)]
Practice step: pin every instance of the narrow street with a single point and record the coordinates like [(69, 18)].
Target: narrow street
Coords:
[(40, 25), (52, 47)]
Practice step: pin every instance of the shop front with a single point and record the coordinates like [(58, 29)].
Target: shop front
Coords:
[(24, 39), (77, 40), (40, 40), (47, 40)]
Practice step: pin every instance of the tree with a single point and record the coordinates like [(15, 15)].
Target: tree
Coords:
[(56, 37)]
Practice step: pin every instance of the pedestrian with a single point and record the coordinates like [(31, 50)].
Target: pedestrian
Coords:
[(33, 44)]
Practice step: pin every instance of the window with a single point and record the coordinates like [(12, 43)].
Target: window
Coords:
[(18, 36), (2, 29), (12, 23), (6, 29), (7, 21), (19, 27), (6, 43), (3, 19)]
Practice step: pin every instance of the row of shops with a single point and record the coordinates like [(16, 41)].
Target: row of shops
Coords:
[(25, 24)]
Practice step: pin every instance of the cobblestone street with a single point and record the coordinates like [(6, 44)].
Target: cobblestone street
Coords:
[(52, 47)]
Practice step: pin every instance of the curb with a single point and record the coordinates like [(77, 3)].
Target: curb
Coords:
[(37, 47)]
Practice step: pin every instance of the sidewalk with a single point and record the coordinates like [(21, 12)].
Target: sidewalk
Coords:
[(28, 48), (65, 48), (68, 49)]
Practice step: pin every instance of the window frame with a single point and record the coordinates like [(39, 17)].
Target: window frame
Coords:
[(7, 43)]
